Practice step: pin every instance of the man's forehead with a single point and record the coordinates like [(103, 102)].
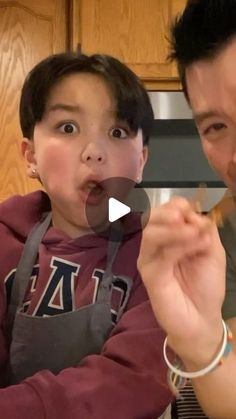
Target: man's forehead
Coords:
[(211, 94), (220, 68), (204, 89)]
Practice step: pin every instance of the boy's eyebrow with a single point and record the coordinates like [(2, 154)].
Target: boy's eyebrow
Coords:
[(201, 116), (64, 107)]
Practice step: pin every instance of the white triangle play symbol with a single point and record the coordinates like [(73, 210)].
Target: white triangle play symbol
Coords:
[(116, 209)]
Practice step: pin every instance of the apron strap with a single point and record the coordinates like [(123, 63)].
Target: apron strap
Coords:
[(114, 243), (105, 287), (28, 256)]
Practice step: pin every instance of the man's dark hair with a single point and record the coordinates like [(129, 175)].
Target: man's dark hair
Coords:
[(132, 102), (203, 29)]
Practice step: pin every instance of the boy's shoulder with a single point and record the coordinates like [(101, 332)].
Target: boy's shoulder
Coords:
[(19, 213)]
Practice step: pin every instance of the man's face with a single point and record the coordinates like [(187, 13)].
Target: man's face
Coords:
[(80, 143), (211, 87)]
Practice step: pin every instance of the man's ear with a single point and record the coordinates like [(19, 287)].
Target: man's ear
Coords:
[(28, 152)]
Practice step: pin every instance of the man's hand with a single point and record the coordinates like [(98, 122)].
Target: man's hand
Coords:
[(182, 264)]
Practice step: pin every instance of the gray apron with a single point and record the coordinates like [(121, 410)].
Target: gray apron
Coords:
[(63, 340)]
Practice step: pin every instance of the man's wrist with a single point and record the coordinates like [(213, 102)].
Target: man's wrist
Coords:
[(199, 352)]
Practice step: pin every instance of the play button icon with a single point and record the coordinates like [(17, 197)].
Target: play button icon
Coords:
[(116, 210), (116, 204)]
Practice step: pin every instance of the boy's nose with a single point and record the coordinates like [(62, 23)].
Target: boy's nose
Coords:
[(93, 153)]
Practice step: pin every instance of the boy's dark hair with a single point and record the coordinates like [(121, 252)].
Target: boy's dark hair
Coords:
[(132, 101), (203, 29)]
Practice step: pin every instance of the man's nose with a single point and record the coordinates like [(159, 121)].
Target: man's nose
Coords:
[(93, 153)]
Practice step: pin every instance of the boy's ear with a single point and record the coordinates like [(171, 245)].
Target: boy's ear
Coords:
[(143, 160), (145, 154), (28, 152)]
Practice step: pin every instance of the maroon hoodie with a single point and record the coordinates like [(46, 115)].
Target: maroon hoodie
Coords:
[(128, 379)]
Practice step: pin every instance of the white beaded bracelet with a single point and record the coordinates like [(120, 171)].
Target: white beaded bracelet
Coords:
[(226, 347)]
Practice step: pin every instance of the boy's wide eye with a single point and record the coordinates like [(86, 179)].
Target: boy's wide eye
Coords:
[(68, 128), (119, 133)]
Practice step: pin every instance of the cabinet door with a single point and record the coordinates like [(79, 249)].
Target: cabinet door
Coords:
[(135, 31), (29, 31)]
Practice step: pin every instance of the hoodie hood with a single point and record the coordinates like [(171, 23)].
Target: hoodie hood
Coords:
[(20, 213)]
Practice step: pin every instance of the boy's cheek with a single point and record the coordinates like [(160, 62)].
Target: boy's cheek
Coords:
[(129, 169)]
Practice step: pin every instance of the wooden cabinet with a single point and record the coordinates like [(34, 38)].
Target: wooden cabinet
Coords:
[(134, 31), (29, 31)]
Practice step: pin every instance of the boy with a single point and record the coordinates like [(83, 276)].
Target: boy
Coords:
[(71, 352)]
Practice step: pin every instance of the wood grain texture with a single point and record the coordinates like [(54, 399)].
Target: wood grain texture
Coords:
[(29, 31), (75, 26), (135, 31)]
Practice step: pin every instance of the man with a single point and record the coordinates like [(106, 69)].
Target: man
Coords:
[(178, 244)]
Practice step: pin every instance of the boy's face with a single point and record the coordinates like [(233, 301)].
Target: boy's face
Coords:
[(78, 143), (211, 87)]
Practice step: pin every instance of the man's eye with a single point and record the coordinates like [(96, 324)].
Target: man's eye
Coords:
[(119, 133), (214, 128), (68, 128)]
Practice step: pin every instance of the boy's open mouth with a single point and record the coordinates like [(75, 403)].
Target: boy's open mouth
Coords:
[(92, 192)]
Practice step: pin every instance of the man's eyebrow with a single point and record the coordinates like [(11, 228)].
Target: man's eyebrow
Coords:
[(64, 107), (201, 116)]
